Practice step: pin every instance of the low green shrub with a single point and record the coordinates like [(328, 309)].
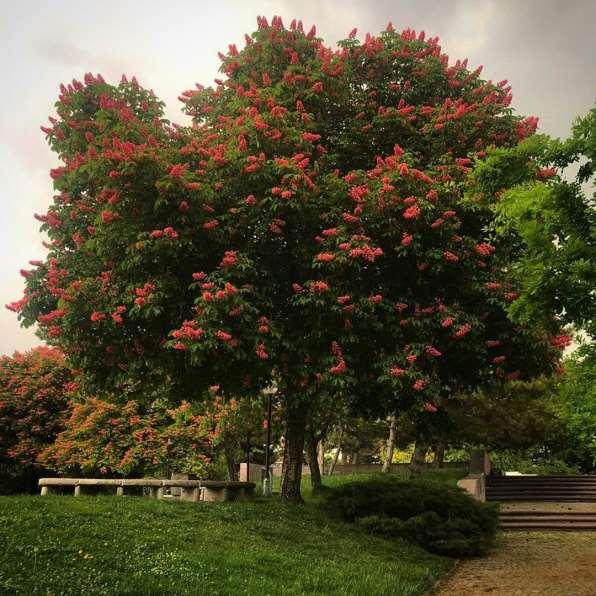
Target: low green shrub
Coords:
[(440, 518)]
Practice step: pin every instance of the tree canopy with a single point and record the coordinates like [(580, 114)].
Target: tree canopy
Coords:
[(313, 225)]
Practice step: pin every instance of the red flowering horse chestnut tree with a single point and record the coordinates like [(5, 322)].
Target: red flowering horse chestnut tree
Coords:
[(313, 225)]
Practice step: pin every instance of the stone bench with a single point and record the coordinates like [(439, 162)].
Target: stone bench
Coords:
[(215, 490), (190, 490)]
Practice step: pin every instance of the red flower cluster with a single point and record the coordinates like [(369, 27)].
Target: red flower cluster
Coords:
[(463, 330), (325, 257), (484, 249), (223, 336), (189, 330), (117, 315), (339, 368), (412, 212), (143, 293), (230, 259), (318, 286), (261, 352), (169, 232), (432, 351)]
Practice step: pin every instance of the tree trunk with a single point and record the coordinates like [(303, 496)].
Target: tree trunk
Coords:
[(439, 456), (321, 455), (312, 455), (390, 446), (335, 456), (418, 458), (231, 463), (293, 453)]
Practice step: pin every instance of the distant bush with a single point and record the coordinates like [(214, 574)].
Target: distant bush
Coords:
[(532, 461), (440, 518), (34, 402)]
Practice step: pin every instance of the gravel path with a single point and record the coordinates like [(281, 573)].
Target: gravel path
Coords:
[(530, 564)]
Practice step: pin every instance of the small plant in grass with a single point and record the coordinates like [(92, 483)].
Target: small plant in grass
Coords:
[(440, 518)]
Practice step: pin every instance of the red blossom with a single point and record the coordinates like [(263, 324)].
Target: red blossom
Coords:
[(484, 249), (339, 368), (412, 212), (261, 352), (463, 330), (223, 336), (325, 257), (311, 137), (230, 259), (319, 286), (108, 216), (178, 169)]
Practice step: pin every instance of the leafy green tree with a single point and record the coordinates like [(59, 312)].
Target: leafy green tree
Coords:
[(578, 410), (310, 227), (551, 222)]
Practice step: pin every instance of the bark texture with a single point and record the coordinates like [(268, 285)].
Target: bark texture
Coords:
[(296, 414), (439, 458), (336, 455), (231, 463), (312, 455), (418, 458)]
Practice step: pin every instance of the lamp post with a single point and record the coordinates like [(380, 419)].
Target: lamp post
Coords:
[(269, 392)]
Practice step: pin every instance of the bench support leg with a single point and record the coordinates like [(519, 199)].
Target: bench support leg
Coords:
[(45, 490), (119, 491), (77, 491)]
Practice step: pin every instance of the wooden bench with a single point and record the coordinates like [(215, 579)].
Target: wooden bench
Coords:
[(190, 490)]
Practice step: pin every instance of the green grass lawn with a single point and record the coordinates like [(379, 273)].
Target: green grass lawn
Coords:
[(110, 545)]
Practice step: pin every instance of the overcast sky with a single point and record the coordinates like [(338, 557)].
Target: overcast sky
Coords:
[(545, 48)]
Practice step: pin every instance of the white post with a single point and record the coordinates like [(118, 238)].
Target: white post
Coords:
[(267, 488)]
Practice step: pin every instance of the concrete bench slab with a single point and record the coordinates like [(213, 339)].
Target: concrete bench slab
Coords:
[(58, 481), (182, 483), (100, 481), (188, 490), (142, 482)]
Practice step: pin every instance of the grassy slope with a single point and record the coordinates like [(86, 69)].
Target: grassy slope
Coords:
[(131, 545)]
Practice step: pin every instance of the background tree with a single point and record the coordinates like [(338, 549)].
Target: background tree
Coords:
[(545, 212), (130, 439), (577, 388), (34, 390), (310, 227)]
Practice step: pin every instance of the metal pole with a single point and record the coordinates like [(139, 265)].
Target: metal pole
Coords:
[(267, 479), (248, 457)]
